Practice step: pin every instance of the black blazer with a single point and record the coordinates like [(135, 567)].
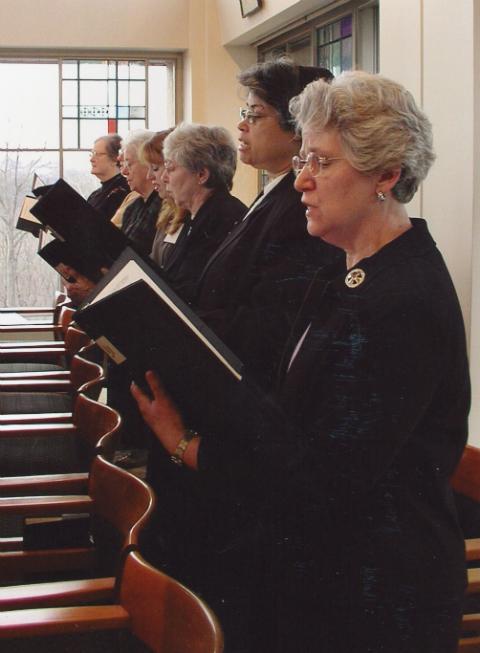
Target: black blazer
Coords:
[(199, 239), (253, 283), (352, 463), (109, 196)]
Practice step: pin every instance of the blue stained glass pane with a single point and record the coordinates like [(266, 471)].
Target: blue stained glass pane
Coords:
[(346, 54), (346, 26)]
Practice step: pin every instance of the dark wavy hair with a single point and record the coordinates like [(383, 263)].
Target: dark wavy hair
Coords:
[(278, 81)]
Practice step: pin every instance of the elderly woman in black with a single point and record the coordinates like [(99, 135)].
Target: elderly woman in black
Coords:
[(105, 166), (241, 291), (357, 536), (200, 162)]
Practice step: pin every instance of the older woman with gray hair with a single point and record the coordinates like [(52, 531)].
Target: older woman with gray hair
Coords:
[(200, 162), (357, 546), (140, 217)]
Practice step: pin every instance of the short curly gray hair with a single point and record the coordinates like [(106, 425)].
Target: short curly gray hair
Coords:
[(199, 146), (379, 124)]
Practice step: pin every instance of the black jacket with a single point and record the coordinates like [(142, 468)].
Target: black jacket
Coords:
[(199, 239), (109, 196), (252, 285), (350, 464)]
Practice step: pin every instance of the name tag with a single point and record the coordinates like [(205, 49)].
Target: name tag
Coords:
[(172, 238)]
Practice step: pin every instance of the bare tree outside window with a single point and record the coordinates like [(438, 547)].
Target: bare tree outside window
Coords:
[(52, 110)]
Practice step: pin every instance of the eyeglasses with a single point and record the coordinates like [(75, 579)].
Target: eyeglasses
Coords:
[(250, 116), (95, 153), (315, 164)]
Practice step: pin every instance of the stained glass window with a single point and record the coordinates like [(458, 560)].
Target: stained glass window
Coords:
[(100, 97), (51, 113), (334, 45)]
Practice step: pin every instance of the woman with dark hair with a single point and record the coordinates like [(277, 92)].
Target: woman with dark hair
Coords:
[(241, 293), (354, 540), (104, 162)]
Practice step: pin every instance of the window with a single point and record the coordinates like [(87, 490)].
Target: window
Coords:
[(334, 45), (338, 39), (52, 111)]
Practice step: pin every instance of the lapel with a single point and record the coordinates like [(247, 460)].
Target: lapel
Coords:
[(242, 227), (306, 315)]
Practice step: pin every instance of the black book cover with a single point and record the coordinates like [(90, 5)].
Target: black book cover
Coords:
[(73, 220), (57, 252), (142, 330)]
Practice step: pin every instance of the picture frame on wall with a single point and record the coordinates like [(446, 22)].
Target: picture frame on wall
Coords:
[(248, 7)]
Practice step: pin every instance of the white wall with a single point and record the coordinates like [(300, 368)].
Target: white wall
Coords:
[(273, 15), (145, 24), (211, 90), (428, 45)]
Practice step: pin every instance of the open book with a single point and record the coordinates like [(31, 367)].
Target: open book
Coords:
[(26, 220), (139, 321)]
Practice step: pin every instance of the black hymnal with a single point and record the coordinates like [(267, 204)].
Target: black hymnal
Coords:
[(138, 320), (73, 220), (57, 252)]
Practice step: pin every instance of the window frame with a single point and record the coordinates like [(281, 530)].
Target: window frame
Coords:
[(174, 61), (308, 26)]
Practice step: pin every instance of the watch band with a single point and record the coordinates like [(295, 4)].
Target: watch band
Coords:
[(178, 454)]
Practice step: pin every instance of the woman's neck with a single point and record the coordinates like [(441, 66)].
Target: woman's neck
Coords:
[(377, 232), (278, 173), (200, 197)]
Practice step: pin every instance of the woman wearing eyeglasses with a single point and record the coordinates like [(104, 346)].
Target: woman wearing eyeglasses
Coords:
[(355, 537), (249, 287), (104, 165)]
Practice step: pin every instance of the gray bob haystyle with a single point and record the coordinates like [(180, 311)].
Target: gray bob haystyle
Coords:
[(197, 147), (136, 139), (379, 124)]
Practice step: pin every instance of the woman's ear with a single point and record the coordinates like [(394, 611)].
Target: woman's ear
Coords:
[(388, 179), (203, 176)]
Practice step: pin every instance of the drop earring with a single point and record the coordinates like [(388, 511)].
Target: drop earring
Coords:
[(381, 197)]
